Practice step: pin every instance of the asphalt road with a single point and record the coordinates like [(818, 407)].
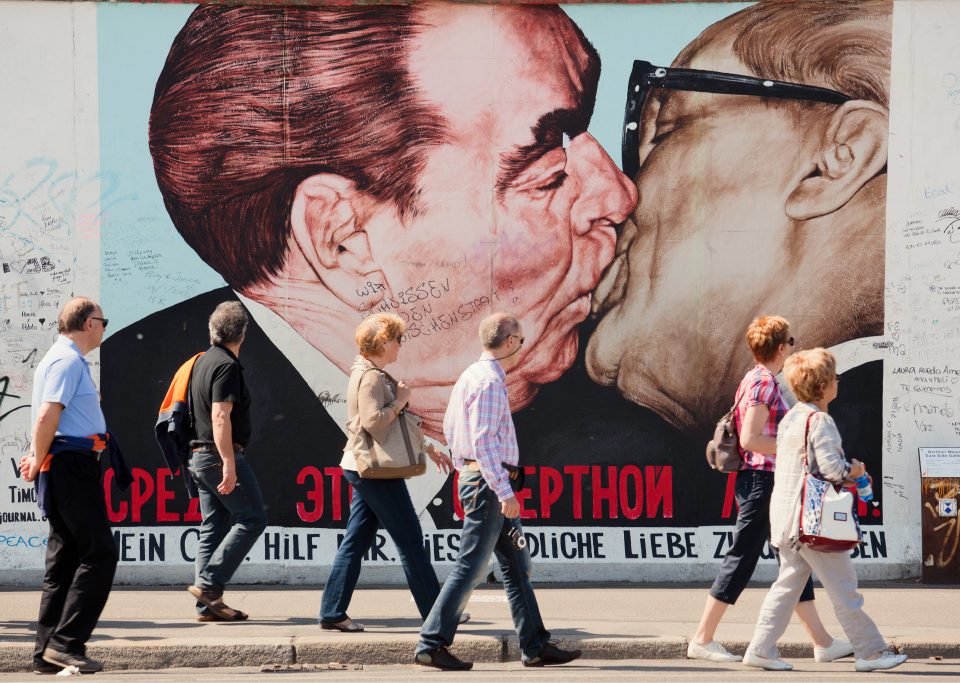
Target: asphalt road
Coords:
[(582, 671)]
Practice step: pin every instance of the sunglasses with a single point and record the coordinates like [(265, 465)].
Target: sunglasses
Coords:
[(103, 320), (646, 76)]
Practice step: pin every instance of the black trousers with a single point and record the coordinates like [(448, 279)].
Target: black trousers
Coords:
[(752, 532), (81, 556)]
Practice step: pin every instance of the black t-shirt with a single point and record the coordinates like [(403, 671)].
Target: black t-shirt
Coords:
[(218, 378)]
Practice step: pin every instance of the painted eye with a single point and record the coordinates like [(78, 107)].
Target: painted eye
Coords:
[(554, 183), (660, 136)]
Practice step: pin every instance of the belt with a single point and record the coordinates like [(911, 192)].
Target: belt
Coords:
[(512, 470), (211, 448)]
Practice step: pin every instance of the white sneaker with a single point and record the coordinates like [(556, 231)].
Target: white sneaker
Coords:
[(886, 660), (835, 650), (759, 662), (712, 652)]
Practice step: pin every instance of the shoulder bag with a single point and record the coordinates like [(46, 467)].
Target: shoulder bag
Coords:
[(723, 450), (828, 518), (397, 456)]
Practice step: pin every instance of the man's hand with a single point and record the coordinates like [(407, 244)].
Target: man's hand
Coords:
[(510, 507), (29, 468), (441, 460), (229, 479)]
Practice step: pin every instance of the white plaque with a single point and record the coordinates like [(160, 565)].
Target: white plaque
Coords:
[(940, 462)]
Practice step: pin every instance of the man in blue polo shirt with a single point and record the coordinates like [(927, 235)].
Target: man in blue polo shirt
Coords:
[(81, 555)]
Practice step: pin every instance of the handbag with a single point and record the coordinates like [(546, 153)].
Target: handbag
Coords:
[(723, 450), (397, 456), (828, 517)]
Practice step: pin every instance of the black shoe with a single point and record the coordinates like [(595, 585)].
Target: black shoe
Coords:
[(550, 655), (65, 659), (43, 669), (442, 659)]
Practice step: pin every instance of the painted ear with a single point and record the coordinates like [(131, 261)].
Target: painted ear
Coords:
[(327, 220), (853, 151)]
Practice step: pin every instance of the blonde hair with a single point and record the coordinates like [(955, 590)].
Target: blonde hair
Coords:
[(765, 335), (809, 373), (376, 330)]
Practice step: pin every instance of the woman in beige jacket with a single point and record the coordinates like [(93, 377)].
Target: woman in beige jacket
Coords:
[(378, 502)]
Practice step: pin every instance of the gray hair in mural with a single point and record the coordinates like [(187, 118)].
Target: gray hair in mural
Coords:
[(750, 204)]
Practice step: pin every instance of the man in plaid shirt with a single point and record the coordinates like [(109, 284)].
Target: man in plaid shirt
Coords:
[(480, 433)]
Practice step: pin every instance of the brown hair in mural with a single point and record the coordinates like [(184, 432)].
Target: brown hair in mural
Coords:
[(427, 160), (750, 203)]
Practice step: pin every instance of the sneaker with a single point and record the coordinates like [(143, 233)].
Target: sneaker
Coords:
[(43, 669), (442, 659), (759, 662), (886, 660), (835, 650), (464, 618), (551, 655), (712, 652), (65, 659)]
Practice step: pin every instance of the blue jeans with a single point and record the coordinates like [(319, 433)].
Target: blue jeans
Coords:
[(376, 503), (485, 531), (231, 523)]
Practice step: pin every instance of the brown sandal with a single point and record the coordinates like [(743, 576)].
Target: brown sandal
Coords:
[(214, 603), (227, 613)]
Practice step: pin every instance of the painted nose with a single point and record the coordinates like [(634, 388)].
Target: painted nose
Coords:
[(607, 196)]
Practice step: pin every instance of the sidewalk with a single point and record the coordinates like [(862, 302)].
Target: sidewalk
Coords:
[(152, 629)]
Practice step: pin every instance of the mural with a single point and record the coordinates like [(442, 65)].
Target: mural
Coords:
[(443, 161)]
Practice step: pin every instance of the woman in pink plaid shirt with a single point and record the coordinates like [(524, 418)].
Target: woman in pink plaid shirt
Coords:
[(759, 408)]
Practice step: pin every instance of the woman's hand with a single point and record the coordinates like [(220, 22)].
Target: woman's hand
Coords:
[(403, 394), (857, 469), (440, 459)]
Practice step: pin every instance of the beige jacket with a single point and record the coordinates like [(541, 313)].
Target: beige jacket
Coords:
[(372, 399), (825, 458)]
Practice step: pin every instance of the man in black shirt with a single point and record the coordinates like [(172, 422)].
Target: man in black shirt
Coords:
[(230, 500)]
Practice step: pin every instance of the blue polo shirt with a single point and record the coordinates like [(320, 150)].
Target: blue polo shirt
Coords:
[(63, 377)]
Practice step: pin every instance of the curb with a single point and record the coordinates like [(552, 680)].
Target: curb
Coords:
[(122, 654)]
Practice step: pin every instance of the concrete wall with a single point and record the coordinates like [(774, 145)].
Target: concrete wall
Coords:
[(322, 165)]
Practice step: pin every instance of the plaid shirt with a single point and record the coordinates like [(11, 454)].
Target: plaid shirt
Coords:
[(759, 386), (478, 425)]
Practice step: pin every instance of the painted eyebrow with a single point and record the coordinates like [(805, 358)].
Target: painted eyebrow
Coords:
[(548, 134)]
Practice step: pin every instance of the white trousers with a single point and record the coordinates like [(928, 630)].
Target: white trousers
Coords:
[(836, 573)]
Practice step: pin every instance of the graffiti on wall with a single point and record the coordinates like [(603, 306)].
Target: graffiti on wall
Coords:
[(444, 161)]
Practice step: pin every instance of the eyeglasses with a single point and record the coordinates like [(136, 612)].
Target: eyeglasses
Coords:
[(791, 341), (103, 320), (518, 337), (646, 76)]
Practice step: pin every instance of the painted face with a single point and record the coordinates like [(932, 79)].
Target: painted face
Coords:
[(519, 206), (708, 248)]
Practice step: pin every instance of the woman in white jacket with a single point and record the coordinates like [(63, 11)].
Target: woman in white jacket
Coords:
[(812, 375)]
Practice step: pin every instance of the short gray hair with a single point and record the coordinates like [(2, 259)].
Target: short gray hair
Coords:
[(228, 323), (495, 329)]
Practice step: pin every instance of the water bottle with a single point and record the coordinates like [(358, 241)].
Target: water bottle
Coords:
[(864, 490)]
